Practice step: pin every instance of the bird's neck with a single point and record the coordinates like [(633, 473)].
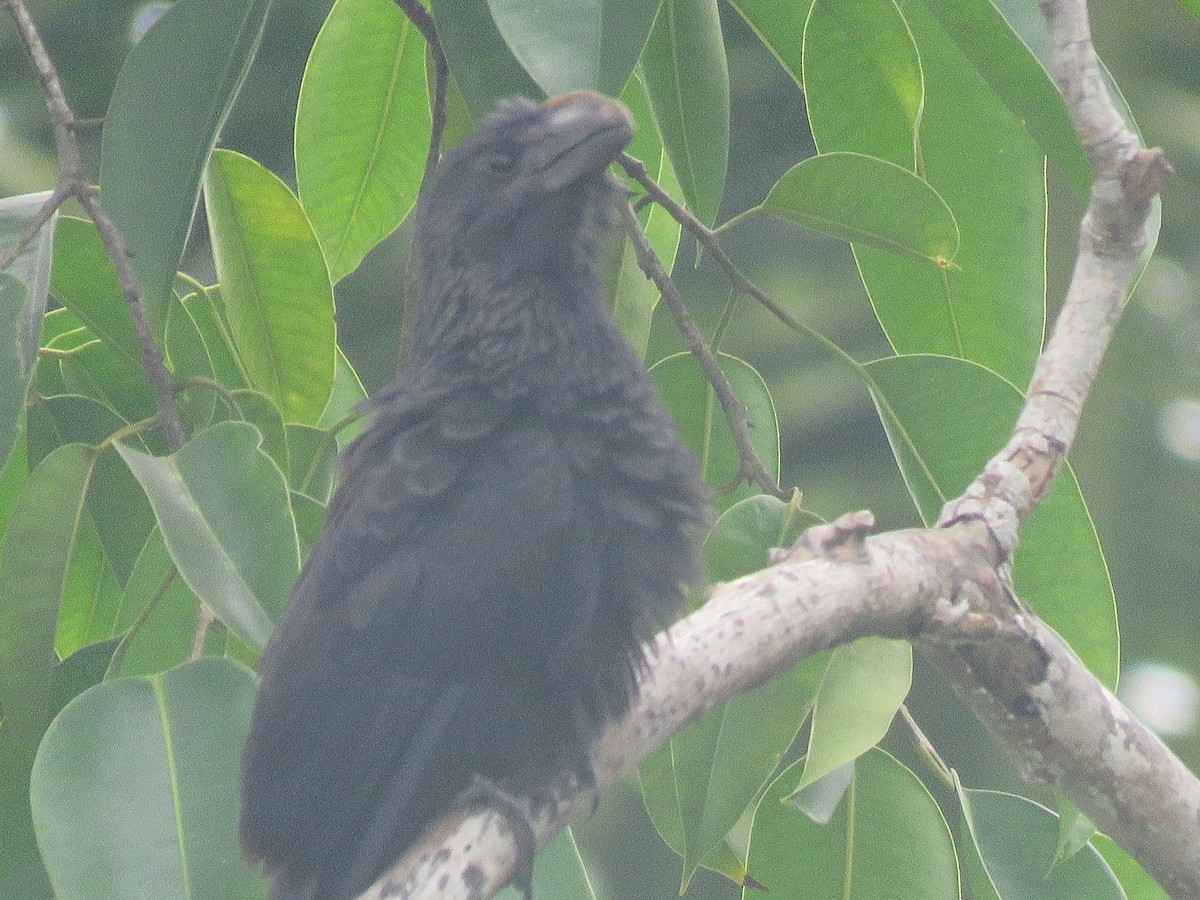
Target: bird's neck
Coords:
[(521, 333)]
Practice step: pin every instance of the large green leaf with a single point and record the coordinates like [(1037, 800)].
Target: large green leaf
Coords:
[(688, 84), (115, 501), (483, 66), (698, 785), (222, 505), (362, 128), (1009, 845), (170, 100), (21, 871), (862, 689), (278, 299), (23, 289), (576, 45), (887, 838), (990, 307), (559, 871), (1014, 72), (702, 424), (945, 418), (85, 282), (777, 25), (869, 201), (1133, 879), (856, 100), (155, 637), (33, 565), (348, 393), (134, 791)]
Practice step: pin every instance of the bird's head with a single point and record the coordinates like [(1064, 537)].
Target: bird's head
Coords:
[(520, 199)]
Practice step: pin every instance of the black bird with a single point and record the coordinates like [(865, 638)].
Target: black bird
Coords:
[(515, 523)]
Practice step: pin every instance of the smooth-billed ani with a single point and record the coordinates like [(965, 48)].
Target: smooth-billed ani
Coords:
[(515, 523)]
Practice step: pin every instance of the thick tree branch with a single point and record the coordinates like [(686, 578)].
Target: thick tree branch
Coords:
[(948, 589)]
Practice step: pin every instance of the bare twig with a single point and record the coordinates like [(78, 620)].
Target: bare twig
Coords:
[(423, 22), (708, 239), (751, 467), (72, 182)]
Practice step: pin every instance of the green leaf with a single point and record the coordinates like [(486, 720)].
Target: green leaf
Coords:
[(741, 539), (21, 872), (691, 400), (223, 509), (157, 616), (207, 311), (636, 296), (887, 839), (23, 290), (115, 501), (864, 685), (81, 670), (857, 102), (688, 84), (98, 371), (776, 26), (85, 282), (1010, 842), (879, 33), (697, 786), (868, 201), (348, 393), (276, 289), (134, 790), (1074, 830), (34, 556), (575, 45), (945, 418), (90, 593), (170, 100), (1133, 879), (482, 65), (998, 197), (559, 871), (1014, 72), (313, 459), (261, 412), (31, 268), (362, 128)]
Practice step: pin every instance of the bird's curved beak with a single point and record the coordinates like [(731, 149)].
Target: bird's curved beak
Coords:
[(579, 134)]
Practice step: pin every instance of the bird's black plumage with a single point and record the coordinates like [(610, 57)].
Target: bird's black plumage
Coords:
[(512, 527)]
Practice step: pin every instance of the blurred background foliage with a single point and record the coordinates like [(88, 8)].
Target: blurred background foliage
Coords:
[(1138, 453)]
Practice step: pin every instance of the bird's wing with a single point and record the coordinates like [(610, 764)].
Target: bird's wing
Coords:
[(411, 653)]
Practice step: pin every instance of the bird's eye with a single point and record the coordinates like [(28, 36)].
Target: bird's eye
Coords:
[(501, 161)]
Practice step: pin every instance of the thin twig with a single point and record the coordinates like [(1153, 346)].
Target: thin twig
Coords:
[(423, 22), (72, 182), (925, 747), (708, 239), (752, 467), (204, 618)]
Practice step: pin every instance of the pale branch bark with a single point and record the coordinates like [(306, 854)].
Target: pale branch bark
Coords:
[(948, 589), (73, 182)]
